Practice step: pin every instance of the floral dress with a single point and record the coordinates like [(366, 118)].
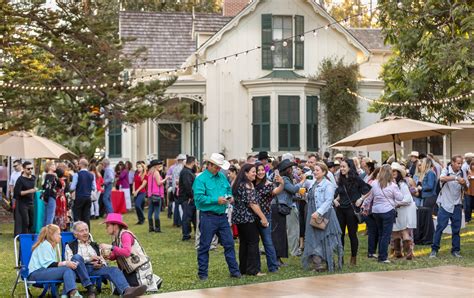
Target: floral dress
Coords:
[(61, 214), (264, 196), (242, 213)]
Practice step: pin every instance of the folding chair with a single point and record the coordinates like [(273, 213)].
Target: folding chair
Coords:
[(22, 259)]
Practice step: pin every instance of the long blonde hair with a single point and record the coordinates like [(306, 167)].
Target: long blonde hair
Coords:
[(385, 176), (47, 233), (426, 165)]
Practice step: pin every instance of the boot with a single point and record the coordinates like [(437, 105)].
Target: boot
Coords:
[(157, 225), (317, 263), (407, 249), (397, 247), (353, 261), (150, 226)]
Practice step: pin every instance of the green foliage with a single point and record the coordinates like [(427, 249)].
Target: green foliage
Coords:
[(341, 107), (172, 5), (175, 260), (432, 57), (349, 8), (75, 44)]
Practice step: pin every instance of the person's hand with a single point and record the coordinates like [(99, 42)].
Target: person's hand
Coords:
[(264, 222), (70, 264), (315, 215), (364, 212), (461, 181), (279, 179), (33, 190), (105, 246), (359, 202), (222, 201), (336, 203)]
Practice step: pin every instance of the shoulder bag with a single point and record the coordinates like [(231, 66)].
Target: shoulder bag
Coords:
[(357, 214), (155, 199), (320, 223)]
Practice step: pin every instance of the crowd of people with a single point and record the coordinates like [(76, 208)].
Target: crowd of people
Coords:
[(298, 207)]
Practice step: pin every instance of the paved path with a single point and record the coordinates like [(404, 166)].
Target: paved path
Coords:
[(445, 281)]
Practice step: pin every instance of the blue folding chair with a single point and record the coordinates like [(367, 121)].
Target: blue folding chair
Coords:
[(22, 259)]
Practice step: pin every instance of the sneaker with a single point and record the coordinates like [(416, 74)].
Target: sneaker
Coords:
[(202, 278), (372, 256), (456, 254), (260, 274), (159, 282), (387, 261), (433, 254), (236, 275), (134, 291)]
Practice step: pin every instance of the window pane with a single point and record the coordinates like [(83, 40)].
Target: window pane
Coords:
[(420, 145), (288, 23), (283, 136), (436, 145), (266, 136), (282, 29), (257, 110), (277, 22), (266, 109), (294, 110), (294, 136), (256, 136), (277, 34)]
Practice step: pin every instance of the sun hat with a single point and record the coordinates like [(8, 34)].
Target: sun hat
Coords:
[(339, 155), (414, 153), (285, 164), (468, 155), (219, 160), (337, 163), (288, 156), (115, 218), (155, 162), (398, 167)]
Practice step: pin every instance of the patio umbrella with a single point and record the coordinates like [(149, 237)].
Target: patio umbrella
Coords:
[(394, 129), (28, 145), (369, 148)]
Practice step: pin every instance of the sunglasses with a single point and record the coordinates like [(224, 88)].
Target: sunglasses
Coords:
[(29, 169)]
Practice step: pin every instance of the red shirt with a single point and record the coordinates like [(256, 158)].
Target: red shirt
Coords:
[(137, 181), (99, 181)]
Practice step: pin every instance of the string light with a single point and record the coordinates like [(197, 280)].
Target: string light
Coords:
[(440, 101), (284, 42)]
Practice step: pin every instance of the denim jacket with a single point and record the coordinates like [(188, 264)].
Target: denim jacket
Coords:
[(428, 185), (323, 196), (288, 193)]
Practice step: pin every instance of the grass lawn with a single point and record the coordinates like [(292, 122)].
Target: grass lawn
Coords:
[(176, 263)]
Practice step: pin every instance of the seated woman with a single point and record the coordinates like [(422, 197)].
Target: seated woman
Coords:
[(87, 252), (320, 245), (129, 254), (44, 264)]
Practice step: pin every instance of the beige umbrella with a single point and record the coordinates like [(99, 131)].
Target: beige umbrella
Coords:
[(28, 145), (369, 148), (394, 129)]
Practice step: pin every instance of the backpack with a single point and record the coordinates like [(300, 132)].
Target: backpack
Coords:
[(440, 185)]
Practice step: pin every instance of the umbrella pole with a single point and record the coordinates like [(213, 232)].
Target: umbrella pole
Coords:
[(394, 147)]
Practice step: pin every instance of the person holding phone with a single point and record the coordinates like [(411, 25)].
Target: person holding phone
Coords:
[(245, 206)]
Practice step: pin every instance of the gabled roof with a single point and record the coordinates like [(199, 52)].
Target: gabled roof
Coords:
[(372, 38), (166, 36), (251, 7)]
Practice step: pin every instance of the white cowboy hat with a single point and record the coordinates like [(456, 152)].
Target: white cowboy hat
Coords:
[(219, 160), (398, 167), (339, 155), (181, 157), (469, 154), (414, 153)]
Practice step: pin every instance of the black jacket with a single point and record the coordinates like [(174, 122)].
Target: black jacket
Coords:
[(186, 180), (351, 192), (74, 246)]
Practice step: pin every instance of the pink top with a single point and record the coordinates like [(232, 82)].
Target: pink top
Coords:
[(153, 187), (123, 179), (126, 249), (3, 173)]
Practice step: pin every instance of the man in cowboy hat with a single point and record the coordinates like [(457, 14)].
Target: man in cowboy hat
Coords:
[(414, 156), (212, 193)]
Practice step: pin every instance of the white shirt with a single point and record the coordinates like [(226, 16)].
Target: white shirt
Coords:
[(14, 177)]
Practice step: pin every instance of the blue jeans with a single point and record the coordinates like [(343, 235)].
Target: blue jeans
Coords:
[(50, 211), (270, 253), (140, 206), (81, 270), (113, 274), (107, 198), (154, 208), (63, 273), (443, 220), (189, 216), (384, 222), (468, 207), (176, 215), (210, 225), (372, 234)]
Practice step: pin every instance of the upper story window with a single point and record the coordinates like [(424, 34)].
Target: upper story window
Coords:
[(278, 46)]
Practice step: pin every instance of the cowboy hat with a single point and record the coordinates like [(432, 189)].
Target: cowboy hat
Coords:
[(288, 156), (115, 218), (219, 160), (155, 162), (285, 164), (414, 153), (398, 167), (468, 155), (262, 155), (181, 157), (339, 155)]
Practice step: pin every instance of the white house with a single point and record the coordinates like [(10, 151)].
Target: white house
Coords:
[(264, 100)]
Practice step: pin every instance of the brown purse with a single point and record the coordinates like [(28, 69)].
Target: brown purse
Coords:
[(319, 223)]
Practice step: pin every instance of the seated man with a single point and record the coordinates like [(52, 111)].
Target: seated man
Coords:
[(84, 250)]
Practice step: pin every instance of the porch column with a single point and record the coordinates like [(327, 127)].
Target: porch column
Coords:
[(445, 150)]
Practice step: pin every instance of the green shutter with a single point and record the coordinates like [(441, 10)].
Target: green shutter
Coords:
[(299, 44), (261, 123), (267, 39)]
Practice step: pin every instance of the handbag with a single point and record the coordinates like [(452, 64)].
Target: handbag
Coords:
[(320, 223), (357, 214), (284, 209), (154, 198)]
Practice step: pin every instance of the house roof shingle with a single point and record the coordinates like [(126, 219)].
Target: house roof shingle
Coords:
[(372, 38), (166, 36)]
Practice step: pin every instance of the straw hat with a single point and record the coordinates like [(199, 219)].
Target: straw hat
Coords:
[(398, 167)]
